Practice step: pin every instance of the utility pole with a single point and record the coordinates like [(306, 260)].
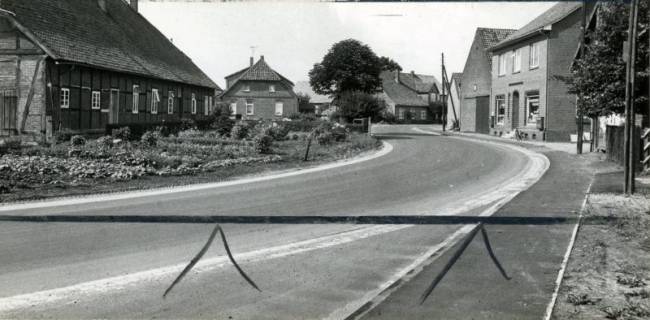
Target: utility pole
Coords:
[(443, 96), (581, 100), (630, 141)]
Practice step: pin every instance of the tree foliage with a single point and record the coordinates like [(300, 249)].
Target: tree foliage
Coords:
[(357, 104), (600, 73), (349, 65)]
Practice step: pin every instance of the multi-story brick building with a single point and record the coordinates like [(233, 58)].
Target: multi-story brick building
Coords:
[(526, 92), (80, 65), (258, 92), (476, 80)]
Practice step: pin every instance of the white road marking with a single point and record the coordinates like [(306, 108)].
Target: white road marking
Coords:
[(386, 149), (503, 193), (565, 260)]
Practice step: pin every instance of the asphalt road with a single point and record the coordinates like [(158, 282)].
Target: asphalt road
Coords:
[(65, 270)]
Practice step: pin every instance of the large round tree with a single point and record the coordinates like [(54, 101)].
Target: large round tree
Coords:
[(348, 66)]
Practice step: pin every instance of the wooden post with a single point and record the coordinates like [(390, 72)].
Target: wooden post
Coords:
[(443, 97), (629, 164)]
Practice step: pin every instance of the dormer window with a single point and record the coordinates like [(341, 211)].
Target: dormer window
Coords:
[(272, 88), (247, 88)]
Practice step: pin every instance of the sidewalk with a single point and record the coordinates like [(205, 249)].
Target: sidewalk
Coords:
[(531, 255)]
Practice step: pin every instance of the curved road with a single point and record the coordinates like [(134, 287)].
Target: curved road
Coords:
[(317, 271)]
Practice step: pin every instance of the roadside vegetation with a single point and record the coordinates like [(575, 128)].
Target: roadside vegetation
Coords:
[(608, 276), (134, 159)]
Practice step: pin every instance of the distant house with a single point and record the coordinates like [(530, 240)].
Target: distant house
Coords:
[(453, 99), (318, 103), (259, 92), (476, 80), (409, 96), (525, 91), (80, 65)]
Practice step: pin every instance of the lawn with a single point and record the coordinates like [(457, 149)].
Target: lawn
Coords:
[(124, 162)]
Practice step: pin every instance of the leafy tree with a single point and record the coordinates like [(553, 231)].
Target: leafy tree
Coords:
[(348, 66), (220, 118), (600, 73), (388, 64), (357, 104)]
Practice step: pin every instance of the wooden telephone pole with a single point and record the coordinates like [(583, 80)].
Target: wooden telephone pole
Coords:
[(630, 139), (581, 100)]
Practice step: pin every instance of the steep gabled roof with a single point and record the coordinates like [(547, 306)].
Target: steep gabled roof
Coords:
[(399, 93), (455, 79), (489, 37), (551, 16), (260, 71), (420, 83), (118, 38)]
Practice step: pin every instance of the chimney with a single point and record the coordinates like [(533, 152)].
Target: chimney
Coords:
[(262, 57), (413, 73), (102, 4), (134, 5), (251, 61)]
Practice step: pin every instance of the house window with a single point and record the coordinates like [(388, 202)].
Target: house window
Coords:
[(401, 114), (500, 108), (423, 114), (65, 98), (233, 108), (155, 101), (532, 108), (247, 88), (250, 107), (279, 106), (502, 64), (206, 106), (95, 102), (516, 61), (272, 88), (136, 98), (210, 103), (170, 102), (193, 103), (534, 55)]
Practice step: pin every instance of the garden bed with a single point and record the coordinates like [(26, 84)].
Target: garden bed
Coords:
[(111, 164)]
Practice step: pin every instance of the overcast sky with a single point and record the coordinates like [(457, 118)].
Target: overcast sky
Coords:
[(293, 36)]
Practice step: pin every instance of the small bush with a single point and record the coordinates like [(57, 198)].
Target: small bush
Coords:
[(187, 124), (239, 131), (63, 135), (123, 133), (278, 133), (150, 138), (325, 138), (77, 141), (105, 142), (263, 143)]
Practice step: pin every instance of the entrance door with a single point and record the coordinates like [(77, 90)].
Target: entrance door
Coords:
[(515, 109), (114, 106), (483, 114)]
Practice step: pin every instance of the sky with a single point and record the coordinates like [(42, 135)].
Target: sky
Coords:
[(293, 35)]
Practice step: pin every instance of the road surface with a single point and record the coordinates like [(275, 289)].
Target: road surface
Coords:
[(66, 270)]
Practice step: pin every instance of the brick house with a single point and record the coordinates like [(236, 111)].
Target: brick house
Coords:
[(258, 92), (80, 65), (476, 80), (409, 96), (453, 99), (525, 91)]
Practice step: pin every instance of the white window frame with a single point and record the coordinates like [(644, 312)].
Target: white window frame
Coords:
[(155, 101), (423, 114), (193, 110), (272, 88), (211, 103), (279, 111), (170, 102), (136, 99), (533, 60), (500, 118), (502, 65), (206, 106), (251, 111), (65, 98), (233, 108), (401, 114), (516, 61), (95, 100), (530, 98)]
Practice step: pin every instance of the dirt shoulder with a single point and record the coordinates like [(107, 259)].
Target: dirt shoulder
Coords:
[(608, 274)]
